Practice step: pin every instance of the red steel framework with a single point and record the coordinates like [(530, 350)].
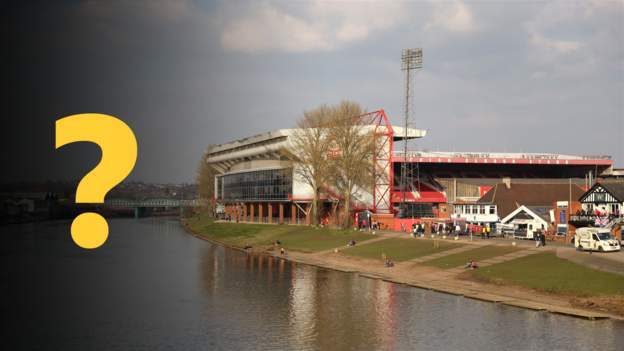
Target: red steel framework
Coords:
[(383, 186)]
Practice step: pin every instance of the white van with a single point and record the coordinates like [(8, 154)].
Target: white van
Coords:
[(595, 239)]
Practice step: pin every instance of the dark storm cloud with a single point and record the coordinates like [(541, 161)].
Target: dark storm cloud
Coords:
[(519, 76), (130, 61)]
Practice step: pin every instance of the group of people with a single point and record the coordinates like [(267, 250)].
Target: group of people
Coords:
[(365, 225), (418, 228), (485, 232), (597, 212)]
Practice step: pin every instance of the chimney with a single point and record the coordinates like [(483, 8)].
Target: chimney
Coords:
[(507, 181)]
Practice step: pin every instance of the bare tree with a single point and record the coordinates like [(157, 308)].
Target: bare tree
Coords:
[(205, 180), (309, 147), (351, 161)]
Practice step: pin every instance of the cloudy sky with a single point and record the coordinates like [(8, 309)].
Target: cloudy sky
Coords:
[(521, 76)]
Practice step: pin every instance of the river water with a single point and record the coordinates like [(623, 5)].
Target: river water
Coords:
[(154, 287)]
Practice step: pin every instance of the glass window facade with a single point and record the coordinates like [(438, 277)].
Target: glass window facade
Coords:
[(273, 184)]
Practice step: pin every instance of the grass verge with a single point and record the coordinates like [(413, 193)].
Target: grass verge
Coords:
[(546, 272), (298, 238), (479, 254), (400, 249)]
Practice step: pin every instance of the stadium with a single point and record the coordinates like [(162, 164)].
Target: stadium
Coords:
[(255, 182)]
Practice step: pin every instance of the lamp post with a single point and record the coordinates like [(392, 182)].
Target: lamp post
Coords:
[(411, 59)]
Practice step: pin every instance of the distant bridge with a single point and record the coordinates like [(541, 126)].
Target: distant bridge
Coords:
[(143, 207), (127, 203)]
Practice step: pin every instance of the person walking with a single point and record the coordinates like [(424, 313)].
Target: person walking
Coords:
[(537, 239), (543, 239)]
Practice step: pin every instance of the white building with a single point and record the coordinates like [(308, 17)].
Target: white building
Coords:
[(257, 182), (477, 213), (528, 220)]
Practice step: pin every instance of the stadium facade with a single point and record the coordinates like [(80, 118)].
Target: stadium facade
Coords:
[(257, 183)]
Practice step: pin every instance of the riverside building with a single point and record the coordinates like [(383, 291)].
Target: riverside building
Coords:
[(257, 183)]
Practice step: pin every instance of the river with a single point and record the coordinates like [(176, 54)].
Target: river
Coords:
[(154, 287)]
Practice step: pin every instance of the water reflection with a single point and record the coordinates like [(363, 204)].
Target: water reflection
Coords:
[(317, 309), (154, 287)]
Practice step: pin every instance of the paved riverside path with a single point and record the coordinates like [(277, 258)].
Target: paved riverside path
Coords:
[(444, 253), (380, 238), (448, 280), (500, 259), (610, 263)]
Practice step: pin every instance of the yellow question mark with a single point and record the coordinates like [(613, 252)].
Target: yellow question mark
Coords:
[(119, 152)]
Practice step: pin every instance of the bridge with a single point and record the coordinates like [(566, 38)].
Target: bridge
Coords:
[(142, 207)]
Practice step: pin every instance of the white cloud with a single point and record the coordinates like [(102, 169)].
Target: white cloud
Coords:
[(573, 39), (561, 46), (314, 26), (452, 16), (269, 28)]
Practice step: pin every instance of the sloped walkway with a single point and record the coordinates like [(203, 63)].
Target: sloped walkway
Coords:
[(500, 259), (457, 250), (369, 241), (595, 260)]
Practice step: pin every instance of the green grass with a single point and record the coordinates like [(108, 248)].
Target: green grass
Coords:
[(399, 249), (298, 238), (547, 272), (480, 254)]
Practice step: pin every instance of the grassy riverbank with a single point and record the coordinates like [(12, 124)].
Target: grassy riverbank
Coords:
[(546, 272), (400, 249), (540, 279), (478, 255), (299, 238)]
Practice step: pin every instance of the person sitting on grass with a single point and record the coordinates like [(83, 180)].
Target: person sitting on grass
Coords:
[(351, 243), (471, 265), (389, 263)]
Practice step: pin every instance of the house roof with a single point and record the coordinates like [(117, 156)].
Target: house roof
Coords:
[(509, 199), (615, 188), (525, 212)]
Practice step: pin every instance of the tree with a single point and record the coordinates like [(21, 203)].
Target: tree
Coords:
[(205, 180), (351, 164), (308, 151)]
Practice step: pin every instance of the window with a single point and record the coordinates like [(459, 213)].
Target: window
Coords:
[(615, 208), (219, 187), (273, 184), (492, 210), (482, 209)]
